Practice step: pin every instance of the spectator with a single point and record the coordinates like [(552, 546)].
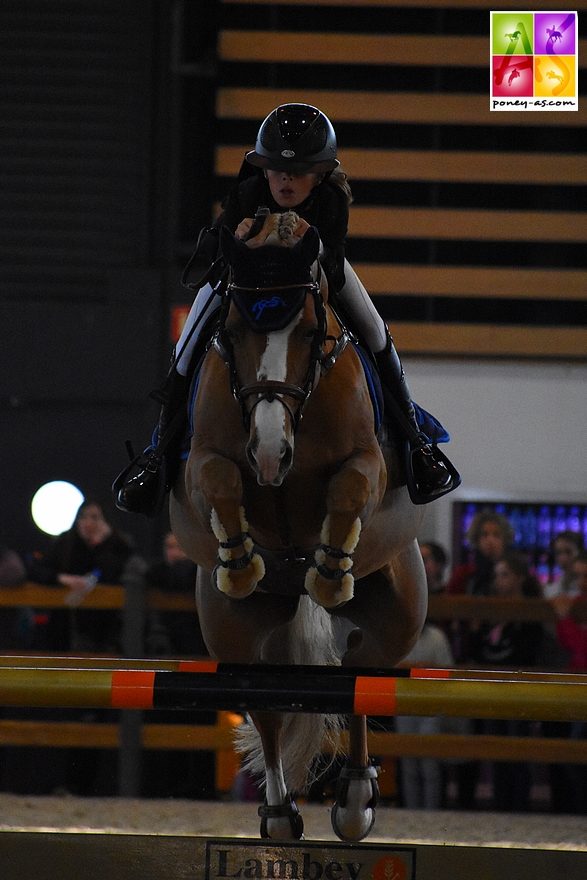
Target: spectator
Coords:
[(566, 547), (90, 552), (510, 645), (570, 783), (422, 779), (12, 570), (513, 643), (176, 633), (16, 624), (175, 773), (489, 535), (571, 627), (16, 628), (435, 560)]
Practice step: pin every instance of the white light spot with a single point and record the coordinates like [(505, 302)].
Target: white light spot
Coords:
[(55, 505)]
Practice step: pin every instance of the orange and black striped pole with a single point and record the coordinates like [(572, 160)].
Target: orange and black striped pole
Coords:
[(207, 685), (26, 661)]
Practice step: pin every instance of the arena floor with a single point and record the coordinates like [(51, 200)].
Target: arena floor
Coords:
[(218, 819)]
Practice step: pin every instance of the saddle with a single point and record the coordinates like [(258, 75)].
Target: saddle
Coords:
[(428, 424)]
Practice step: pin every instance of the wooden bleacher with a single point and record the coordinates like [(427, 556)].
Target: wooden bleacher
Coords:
[(262, 57)]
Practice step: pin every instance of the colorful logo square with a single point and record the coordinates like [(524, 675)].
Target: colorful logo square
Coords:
[(555, 33), (554, 77), (534, 63), (513, 75), (512, 32)]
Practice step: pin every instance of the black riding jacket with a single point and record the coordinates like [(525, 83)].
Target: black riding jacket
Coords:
[(326, 208)]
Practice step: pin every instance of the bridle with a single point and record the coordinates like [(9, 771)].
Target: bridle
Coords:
[(320, 362)]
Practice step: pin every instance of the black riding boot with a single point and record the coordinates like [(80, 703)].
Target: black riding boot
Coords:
[(432, 473), (141, 486)]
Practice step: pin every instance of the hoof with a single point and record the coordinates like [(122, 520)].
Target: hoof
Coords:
[(357, 793), (285, 819)]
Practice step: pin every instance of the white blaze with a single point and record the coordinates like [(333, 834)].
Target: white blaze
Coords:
[(270, 419)]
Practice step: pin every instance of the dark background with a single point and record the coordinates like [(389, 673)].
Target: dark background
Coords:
[(89, 144), (107, 173)]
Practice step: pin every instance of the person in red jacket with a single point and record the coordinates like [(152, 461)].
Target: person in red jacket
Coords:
[(571, 627), (571, 630)]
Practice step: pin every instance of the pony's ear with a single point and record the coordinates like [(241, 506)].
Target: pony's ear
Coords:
[(308, 247), (230, 246)]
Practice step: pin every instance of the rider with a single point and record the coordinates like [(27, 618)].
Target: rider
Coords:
[(293, 167)]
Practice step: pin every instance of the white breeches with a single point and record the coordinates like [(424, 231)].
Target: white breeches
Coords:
[(205, 303), (364, 316)]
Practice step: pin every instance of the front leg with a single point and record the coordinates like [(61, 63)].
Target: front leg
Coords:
[(352, 495), (238, 569)]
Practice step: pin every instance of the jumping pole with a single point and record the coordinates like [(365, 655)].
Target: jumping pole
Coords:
[(290, 689), (31, 661)]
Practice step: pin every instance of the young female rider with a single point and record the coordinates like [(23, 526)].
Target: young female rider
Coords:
[(293, 167)]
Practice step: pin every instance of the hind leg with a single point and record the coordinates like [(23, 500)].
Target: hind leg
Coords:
[(389, 609), (236, 630), (357, 793), (280, 818)]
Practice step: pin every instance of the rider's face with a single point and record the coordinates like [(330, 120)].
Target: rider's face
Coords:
[(290, 190)]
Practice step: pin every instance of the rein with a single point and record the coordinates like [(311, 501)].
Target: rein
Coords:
[(319, 364)]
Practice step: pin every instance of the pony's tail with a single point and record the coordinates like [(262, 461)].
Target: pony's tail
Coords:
[(311, 641)]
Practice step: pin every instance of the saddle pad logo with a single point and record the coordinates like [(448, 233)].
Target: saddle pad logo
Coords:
[(261, 304), (265, 314), (534, 61)]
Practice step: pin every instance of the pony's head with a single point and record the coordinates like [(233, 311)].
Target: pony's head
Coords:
[(272, 339)]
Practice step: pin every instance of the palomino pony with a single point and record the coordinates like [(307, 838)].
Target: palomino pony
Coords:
[(294, 514)]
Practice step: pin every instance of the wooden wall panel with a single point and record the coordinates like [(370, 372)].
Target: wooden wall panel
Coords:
[(454, 204)]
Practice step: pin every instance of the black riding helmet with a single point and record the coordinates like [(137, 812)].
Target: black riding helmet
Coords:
[(297, 138)]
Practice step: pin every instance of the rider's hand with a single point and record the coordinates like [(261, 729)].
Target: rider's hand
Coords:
[(300, 228), (243, 228)]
